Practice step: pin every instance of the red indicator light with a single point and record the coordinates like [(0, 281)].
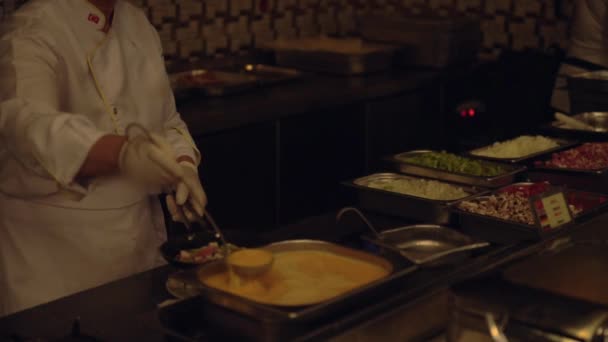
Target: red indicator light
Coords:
[(463, 113), (471, 112)]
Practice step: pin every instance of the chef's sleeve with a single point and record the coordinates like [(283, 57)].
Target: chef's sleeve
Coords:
[(47, 143), (176, 130)]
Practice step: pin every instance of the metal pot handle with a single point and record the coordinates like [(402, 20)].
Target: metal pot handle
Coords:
[(361, 216)]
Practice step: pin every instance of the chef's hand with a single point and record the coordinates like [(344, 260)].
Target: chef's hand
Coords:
[(149, 160), (189, 194)]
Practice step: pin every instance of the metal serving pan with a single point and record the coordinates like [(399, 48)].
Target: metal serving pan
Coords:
[(412, 207), (376, 58), (563, 144), (211, 82), (595, 180), (267, 75), (482, 181), (597, 120), (304, 245), (396, 266), (498, 230), (427, 245)]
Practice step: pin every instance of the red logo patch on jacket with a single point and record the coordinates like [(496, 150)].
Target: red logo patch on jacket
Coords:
[(94, 18)]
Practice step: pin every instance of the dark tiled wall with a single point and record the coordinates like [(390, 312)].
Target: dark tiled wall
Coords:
[(192, 29)]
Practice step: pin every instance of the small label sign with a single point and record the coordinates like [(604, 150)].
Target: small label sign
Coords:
[(551, 209)]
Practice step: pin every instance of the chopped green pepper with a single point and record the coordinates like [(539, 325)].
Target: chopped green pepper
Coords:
[(453, 163)]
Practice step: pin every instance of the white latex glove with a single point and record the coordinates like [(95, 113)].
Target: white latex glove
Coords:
[(149, 160), (189, 189)]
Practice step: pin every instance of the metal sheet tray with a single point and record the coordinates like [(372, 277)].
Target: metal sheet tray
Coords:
[(497, 230), (270, 75), (377, 58), (563, 144), (279, 315), (412, 207), (213, 83), (428, 245), (425, 171)]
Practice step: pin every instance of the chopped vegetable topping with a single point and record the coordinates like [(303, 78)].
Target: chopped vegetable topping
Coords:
[(589, 156), (512, 203), (516, 148), (211, 251), (420, 188), (453, 163)]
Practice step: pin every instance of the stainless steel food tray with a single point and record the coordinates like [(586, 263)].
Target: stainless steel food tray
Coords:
[(596, 172), (489, 182), (563, 144), (497, 230), (225, 83), (588, 180), (428, 245), (412, 207), (379, 58), (398, 269)]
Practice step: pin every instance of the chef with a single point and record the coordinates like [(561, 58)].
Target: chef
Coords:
[(89, 135), (588, 47)]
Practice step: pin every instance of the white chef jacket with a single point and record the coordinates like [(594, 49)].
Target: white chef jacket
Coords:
[(588, 42), (63, 84)]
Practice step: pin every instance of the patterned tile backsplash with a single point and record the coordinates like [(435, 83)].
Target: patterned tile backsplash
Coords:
[(195, 29)]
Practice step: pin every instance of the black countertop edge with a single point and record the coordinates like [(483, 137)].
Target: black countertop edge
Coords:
[(313, 93)]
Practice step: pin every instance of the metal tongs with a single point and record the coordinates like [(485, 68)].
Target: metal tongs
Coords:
[(201, 220), (243, 270)]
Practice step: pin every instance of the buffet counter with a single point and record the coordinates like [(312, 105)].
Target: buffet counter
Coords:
[(128, 309)]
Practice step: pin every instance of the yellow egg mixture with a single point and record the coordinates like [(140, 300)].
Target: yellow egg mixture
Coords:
[(250, 257), (300, 278)]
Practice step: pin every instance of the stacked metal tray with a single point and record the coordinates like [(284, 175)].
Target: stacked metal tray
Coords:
[(588, 91), (562, 144), (402, 205), (498, 230), (210, 82), (508, 177), (598, 122), (278, 323), (427, 41), (317, 55)]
